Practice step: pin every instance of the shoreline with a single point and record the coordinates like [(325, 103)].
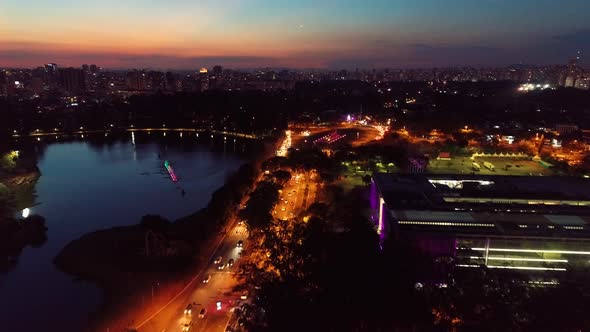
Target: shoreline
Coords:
[(133, 129), (16, 193)]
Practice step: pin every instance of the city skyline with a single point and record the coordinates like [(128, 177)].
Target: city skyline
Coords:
[(238, 34)]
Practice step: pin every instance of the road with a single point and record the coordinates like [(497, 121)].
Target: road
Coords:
[(204, 295), (297, 195)]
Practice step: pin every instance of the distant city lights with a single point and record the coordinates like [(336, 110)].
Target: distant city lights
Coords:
[(531, 87)]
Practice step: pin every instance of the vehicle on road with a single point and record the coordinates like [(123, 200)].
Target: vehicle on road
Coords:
[(206, 279), (240, 244), (230, 263), (188, 310), (202, 313), (187, 326), (218, 260), (244, 295), (221, 266)]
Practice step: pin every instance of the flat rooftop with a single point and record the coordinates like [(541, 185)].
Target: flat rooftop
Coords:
[(514, 205), (549, 194)]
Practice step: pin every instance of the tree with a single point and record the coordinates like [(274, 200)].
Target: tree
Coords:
[(367, 179), (274, 163), (282, 176), (262, 199)]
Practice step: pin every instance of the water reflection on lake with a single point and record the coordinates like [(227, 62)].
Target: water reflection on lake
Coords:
[(100, 181)]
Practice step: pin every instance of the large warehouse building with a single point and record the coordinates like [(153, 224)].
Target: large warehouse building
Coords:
[(503, 222)]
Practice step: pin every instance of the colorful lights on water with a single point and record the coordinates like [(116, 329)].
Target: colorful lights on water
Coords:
[(170, 171)]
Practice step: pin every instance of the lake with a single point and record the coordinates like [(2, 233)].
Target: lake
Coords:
[(95, 182)]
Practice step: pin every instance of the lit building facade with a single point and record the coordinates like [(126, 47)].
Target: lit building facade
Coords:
[(535, 224)]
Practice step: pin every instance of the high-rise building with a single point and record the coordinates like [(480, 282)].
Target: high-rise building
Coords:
[(573, 72), (217, 70), (51, 75), (51, 68), (136, 80), (155, 81), (36, 84), (204, 79), (72, 80), (171, 82), (216, 79), (3, 87)]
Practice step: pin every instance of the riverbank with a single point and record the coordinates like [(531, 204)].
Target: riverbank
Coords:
[(16, 192)]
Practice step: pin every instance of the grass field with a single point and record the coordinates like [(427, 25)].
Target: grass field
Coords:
[(502, 166)]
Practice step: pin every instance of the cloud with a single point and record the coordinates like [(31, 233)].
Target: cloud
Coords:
[(578, 37), (381, 52), (422, 46), (33, 58)]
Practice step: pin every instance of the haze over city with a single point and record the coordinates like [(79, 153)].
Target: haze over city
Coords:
[(181, 34)]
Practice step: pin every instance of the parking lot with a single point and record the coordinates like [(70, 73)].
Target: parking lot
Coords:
[(502, 166)]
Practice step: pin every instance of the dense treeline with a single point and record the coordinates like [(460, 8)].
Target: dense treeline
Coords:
[(414, 104), (328, 270)]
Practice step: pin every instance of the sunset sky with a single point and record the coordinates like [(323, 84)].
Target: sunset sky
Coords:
[(183, 34)]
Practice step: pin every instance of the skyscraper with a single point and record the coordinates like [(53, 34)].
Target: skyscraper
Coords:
[(51, 68), (155, 81), (51, 73), (72, 80), (204, 79), (573, 72), (215, 79), (3, 91), (217, 70), (136, 80), (171, 81)]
